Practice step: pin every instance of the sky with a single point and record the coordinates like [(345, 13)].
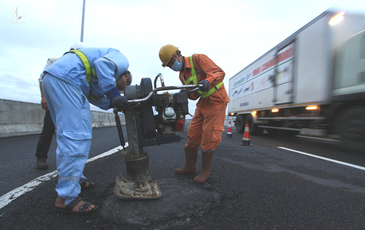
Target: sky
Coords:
[(233, 33)]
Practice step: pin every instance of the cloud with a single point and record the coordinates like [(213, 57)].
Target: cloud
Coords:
[(20, 89)]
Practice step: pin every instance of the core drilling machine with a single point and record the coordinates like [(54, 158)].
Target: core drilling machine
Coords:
[(146, 129)]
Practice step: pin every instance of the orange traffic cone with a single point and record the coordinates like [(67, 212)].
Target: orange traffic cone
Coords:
[(229, 132), (246, 137)]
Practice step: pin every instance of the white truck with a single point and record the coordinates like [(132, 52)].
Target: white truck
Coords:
[(313, 80)]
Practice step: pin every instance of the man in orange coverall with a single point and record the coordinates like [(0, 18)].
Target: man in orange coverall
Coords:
[(207, 124)]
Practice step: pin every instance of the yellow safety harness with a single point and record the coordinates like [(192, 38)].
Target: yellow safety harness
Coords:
[(90, 72), (194, 79)]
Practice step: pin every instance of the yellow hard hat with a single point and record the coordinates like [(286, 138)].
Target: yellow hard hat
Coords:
[(166, 53)]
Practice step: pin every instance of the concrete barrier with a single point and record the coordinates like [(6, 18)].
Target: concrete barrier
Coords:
[(23, 118)]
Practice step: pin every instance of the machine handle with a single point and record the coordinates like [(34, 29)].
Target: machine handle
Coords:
[(164, 88), (161, 80), (119, 127), (196, 89)]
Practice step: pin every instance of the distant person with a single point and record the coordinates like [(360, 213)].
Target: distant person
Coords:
[(94, 75), (48, 129), (206, 127)]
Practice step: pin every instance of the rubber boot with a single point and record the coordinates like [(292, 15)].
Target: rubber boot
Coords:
[(205, 173), (191, 157)]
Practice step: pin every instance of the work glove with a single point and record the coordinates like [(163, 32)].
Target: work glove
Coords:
[(120, 102), (205, 86)]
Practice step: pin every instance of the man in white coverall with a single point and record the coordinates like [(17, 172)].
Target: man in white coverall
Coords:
[(48, 129), (81, 76)]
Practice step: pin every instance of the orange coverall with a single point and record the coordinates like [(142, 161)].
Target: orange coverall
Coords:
[(206, 127)]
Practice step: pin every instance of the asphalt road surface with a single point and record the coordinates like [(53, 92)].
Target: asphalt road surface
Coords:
[(277, 183)]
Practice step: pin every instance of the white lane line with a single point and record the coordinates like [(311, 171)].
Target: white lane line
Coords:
[(108, 153), (324, 158), (15, 193), (318, 138)]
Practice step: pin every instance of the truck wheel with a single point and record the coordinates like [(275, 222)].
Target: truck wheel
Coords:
[(352, 130), (254, 130), (240, 124)]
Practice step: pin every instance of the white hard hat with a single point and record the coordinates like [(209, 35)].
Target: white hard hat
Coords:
[(78, 45)]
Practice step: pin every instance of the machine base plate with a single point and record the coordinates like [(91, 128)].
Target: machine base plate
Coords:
[(128, 190)]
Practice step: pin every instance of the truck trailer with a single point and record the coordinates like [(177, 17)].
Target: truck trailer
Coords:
[(313, 80)]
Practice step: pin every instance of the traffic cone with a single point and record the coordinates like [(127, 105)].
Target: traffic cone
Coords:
[(246, 137), (229, 132)]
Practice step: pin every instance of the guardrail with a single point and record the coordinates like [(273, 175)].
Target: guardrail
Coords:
[(23, 118)]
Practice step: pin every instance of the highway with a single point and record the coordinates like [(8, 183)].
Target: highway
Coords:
[(277, 183)]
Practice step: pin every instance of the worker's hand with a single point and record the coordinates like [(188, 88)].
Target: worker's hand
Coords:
[(44, 103), (205, 86), (120, 102)]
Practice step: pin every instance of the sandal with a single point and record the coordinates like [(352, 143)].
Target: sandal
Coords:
[(87, 184), (82, 209)]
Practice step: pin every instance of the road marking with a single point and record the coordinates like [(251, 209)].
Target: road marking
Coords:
[(15, 193), (318, 138), (324, 158)]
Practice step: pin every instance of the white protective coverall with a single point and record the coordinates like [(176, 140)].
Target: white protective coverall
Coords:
[(68, 95)]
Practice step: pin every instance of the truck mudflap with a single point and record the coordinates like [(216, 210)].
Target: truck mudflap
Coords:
[(128, 190)]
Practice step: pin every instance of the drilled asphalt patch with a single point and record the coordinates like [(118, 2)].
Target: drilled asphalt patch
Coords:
[(181, 198)]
